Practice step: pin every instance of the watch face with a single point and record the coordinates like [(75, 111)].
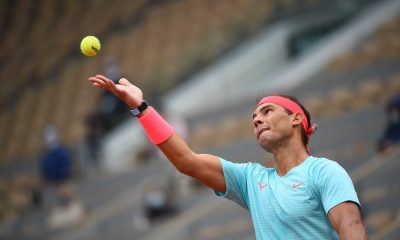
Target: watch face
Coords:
[(135, 112)]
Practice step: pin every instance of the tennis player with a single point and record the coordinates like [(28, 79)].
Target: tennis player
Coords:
[(303, 197)]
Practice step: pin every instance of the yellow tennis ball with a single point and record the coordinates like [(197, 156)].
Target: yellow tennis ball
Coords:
[(90, 45)]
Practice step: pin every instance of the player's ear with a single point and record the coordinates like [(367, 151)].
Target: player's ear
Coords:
[(297, 118)]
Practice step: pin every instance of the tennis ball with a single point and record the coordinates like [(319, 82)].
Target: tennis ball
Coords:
[(90, 45)]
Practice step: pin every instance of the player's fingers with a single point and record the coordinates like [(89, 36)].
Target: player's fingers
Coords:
[(102, 77), (105, 79), (98, 85), (93, 80), (97, 80), (105, 83)]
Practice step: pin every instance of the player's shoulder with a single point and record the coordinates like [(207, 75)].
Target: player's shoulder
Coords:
[(319, 169), (257, 168), (248, 167), (238, 165), (321, 163)]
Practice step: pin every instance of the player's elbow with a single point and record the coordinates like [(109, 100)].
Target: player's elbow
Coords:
[(184, 168), (185, 164)]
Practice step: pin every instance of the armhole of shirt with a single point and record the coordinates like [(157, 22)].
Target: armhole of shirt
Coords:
[(229, 194), (317, 194)]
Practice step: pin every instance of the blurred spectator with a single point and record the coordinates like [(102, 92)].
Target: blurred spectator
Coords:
[(391, 134), (56, 164), (96, 127), (158, 203), (55, 167)]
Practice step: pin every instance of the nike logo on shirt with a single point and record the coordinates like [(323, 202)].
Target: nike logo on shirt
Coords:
[(297, 185)]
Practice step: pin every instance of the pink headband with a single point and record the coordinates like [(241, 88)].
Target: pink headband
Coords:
[(291, 106)]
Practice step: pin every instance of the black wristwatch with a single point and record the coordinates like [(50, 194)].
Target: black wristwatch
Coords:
[(137, 111)]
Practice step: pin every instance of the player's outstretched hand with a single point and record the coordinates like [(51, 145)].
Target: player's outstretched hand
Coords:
[(124, 90)]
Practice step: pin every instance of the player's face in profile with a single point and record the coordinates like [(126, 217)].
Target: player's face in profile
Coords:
[(272, 125)]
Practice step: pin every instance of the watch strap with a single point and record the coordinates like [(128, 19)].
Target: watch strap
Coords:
[(137, 111)]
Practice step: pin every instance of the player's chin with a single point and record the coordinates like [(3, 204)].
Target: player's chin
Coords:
[(265, 144)]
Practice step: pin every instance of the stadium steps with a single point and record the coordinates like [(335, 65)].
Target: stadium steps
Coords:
[(378, 194), (382, 46), (389, 231)]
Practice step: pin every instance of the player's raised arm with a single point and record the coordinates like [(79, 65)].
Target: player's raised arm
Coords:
[(203, 167)]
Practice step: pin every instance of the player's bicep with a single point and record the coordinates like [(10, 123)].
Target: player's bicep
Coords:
[(208, 170), (343, 212), (346, 219)]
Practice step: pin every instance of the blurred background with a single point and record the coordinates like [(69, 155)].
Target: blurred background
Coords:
[(75, 165)]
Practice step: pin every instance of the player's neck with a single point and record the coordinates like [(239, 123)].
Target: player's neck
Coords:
[(289, 157)]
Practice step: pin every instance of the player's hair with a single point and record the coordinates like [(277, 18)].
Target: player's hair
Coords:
[(303, 131)]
